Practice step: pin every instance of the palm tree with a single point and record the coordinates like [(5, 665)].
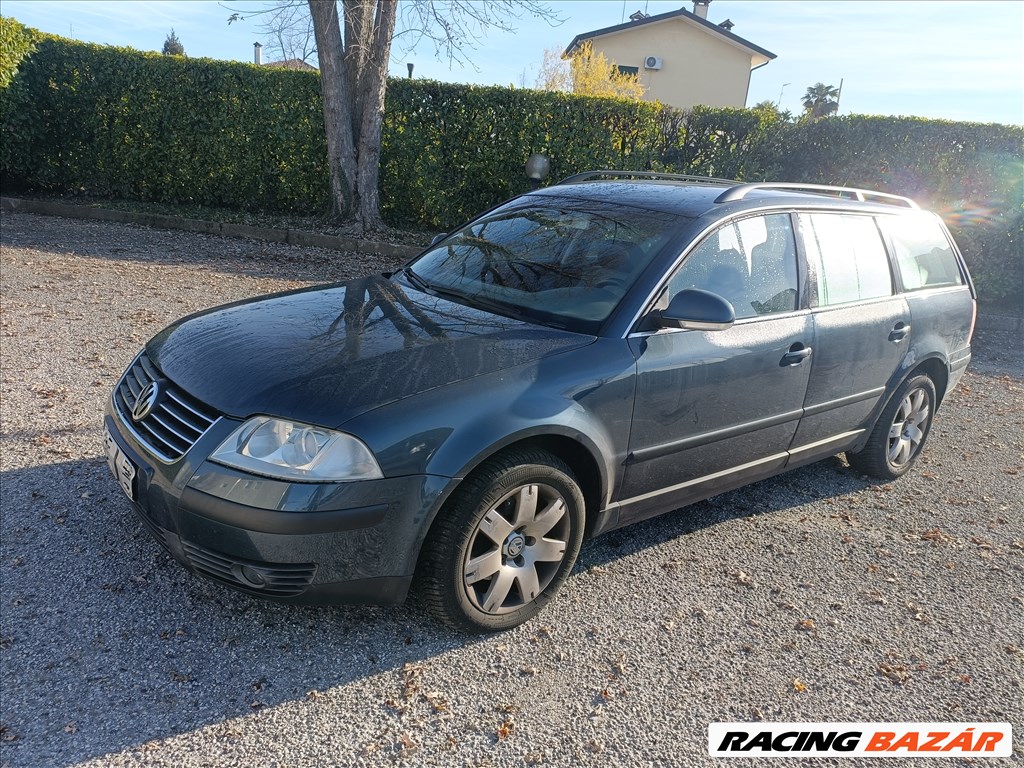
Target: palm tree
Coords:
[(821, 100)]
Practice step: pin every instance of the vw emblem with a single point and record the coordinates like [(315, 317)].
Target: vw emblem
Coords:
[(146, 401), (516, 545)]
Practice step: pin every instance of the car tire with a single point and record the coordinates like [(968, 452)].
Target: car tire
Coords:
[(900, 432), (504, 542)]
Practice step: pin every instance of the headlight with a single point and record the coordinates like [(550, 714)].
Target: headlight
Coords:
[(292, 451)]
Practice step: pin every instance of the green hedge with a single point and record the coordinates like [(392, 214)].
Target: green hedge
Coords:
[(116, 122), (16, 42)]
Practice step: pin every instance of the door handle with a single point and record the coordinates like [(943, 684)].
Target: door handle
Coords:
[(899, 332), (796, 355)]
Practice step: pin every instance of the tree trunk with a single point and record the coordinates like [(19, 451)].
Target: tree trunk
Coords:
[(341, 149), (372, 84), (353, 78), (358, 41)]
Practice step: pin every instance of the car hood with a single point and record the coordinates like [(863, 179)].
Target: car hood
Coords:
[(326, 354)]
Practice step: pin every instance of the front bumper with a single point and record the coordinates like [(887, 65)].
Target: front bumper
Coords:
[(307, 543)]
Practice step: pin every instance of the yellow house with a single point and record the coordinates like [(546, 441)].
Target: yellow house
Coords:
[(681, 58)]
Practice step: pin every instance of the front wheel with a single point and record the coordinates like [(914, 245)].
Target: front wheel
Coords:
[(899, 434), (504, 543)]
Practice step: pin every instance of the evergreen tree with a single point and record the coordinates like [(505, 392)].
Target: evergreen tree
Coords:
[(173, 46)]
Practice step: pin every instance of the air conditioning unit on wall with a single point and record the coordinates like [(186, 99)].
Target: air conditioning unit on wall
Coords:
[(652, 62)]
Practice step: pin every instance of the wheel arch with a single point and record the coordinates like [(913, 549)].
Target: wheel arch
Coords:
[(577, 451), (574, 448), (937, 370), (934, 367)]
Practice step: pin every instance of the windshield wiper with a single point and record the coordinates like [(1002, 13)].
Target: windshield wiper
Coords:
[(474, 300), (417, 281)]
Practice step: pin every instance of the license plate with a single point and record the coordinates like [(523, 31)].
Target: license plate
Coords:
[(120, 465)]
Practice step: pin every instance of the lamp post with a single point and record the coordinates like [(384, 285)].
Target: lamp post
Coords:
[(410, 65), (783, 88), (537, 169)]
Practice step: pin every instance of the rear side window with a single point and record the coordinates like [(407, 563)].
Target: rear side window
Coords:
[(848, 255), (924, 255)]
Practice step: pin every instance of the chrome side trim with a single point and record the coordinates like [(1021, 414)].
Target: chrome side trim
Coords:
[(841, 438), (809, 447), (704, 438), (704, 478), (839, 402)]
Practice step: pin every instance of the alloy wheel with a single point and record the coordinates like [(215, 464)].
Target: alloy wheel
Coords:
[(908, 427), (516, 549)]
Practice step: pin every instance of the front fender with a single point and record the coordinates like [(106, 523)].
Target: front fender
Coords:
[(585, 395)]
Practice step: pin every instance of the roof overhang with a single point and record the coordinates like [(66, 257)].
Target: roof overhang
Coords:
[(758, 56)]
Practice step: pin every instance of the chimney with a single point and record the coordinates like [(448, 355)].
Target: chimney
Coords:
[(257, 53), (700, 8)]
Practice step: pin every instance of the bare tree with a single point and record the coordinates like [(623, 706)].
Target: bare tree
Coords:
[(352, 40), (288, 29), (353, 77)]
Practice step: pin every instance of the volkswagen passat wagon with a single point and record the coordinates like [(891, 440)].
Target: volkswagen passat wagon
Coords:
[(591, 354)]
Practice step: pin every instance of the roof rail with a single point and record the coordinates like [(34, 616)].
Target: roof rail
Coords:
[(740, 191), (654, 175)]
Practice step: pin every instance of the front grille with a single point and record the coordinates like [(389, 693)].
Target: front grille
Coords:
[(281, 579), (176, 422)]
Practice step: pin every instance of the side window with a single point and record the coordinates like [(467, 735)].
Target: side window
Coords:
[(849, 256), (750, 262), (924, 256)]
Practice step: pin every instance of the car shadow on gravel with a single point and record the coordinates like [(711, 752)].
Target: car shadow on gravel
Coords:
[(109, 644), (821, 480)]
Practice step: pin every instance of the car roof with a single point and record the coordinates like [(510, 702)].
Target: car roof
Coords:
[(694, 197)]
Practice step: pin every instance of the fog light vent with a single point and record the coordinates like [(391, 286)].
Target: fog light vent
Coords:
[(281, 579), (248, 576)]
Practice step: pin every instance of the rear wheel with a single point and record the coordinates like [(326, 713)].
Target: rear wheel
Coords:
[(900, 432), (504, 543)]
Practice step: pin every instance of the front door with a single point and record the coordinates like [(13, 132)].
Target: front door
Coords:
[(715, 406)]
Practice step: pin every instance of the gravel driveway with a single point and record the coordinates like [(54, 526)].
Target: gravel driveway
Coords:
[(815, 596)]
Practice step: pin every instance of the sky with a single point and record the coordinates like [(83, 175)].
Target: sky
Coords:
[(955, 60)]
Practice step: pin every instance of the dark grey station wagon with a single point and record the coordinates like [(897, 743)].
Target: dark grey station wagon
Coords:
[(591, 354)]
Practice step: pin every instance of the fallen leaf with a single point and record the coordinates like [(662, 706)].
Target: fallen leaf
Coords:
[(897, 673), (408, 745), (742, 578)]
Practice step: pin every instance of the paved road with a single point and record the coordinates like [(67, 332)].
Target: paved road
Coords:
[(814, 596)]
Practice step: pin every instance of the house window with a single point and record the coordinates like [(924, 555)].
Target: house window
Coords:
[(632, 71)]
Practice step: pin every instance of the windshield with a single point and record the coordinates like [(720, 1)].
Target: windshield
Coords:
[(553, 260)]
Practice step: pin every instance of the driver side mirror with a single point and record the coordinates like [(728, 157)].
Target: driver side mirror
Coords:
[(438, 238), (696, 310)]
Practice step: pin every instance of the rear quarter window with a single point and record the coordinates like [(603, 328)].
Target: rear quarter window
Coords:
[(924, 256)]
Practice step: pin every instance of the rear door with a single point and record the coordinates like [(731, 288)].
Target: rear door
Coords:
[(715, 406), (861, 328)]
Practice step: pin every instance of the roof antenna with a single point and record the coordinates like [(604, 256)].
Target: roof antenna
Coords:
[(622, 18)]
